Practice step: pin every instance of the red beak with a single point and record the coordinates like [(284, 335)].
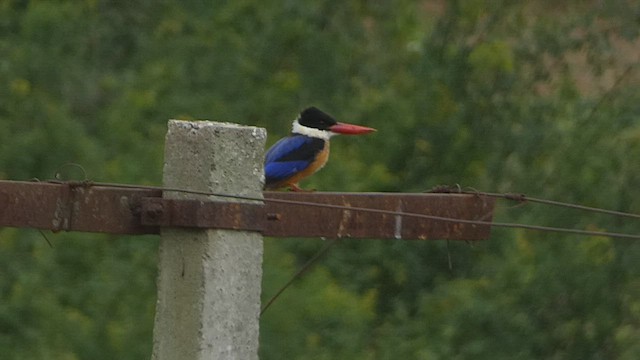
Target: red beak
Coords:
[(350, 129)]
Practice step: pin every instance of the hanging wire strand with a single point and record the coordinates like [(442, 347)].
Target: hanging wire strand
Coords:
[(320, 253), (391, 212)]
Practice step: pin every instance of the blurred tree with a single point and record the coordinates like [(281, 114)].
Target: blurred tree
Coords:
[(538, 97)]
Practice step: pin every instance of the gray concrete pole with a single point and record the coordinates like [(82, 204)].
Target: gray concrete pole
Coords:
[(209, 280)]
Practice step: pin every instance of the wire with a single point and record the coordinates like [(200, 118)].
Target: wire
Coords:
[(522, 198), (300, 272), (391, 212), (610, 91)]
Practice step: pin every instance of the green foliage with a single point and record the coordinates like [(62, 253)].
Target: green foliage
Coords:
[(538, 97), (336, 320)]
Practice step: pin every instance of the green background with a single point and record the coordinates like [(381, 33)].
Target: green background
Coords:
[(538, 97)]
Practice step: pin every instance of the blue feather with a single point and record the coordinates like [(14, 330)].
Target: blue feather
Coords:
[(281, 170), (289, 156), (285, 147)]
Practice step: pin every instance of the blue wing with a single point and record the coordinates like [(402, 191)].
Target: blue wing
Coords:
[(289, 156)]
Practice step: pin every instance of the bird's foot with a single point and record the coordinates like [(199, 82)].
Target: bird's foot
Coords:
[(296, 188)]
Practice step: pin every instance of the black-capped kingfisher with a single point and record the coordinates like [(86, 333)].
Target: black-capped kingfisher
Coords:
[(305, 150)]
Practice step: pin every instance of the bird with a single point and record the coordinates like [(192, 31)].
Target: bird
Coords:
[(305, 150)]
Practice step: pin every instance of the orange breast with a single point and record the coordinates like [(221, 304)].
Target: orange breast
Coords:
[(319, 162)]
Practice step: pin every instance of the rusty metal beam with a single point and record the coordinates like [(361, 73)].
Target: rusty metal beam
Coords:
[(73, 207), (314, 221), (92, 208)]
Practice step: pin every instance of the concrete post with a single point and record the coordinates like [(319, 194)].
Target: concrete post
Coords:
[(209, 280)]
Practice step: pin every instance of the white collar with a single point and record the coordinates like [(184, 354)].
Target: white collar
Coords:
[(307, 131)]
